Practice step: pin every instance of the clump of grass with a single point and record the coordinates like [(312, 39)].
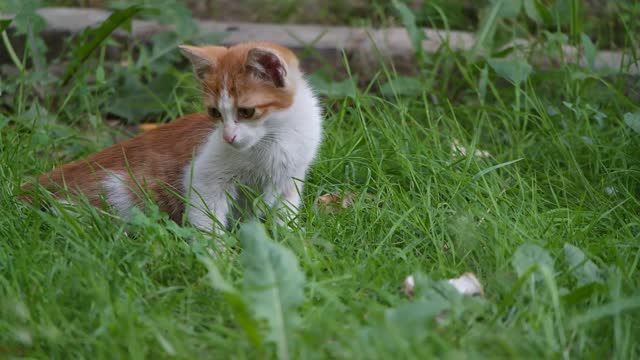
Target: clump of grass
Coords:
[(547, 218)]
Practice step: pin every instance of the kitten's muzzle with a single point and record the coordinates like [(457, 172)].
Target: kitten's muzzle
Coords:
[(229, 138)]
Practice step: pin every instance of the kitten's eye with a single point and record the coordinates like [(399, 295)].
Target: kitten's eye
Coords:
[(214, 113), (246, 113)]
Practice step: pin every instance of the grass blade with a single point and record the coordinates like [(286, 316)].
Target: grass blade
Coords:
[(98, 35), (415, 33), (494, 167), (610, 309), (485, 34), (4, 24)]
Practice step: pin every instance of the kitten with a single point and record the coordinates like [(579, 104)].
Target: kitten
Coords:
[(262, 130)]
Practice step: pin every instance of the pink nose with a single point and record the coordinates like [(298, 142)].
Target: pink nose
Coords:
[(229, 138)]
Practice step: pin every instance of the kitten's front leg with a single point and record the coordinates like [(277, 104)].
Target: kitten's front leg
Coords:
[(291, 195), (287, 203), (202, 206)]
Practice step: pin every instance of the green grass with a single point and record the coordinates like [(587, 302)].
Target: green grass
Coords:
[(564, 171)]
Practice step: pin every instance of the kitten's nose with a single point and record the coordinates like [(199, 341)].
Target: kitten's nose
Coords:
[(229, 138)]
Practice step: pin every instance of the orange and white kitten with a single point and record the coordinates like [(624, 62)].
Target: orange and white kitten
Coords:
[(262, 130)]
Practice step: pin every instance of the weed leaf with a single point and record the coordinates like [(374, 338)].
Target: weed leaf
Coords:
[(528, 255), (590, 50), (611, 309), (415, 33), (333, 89), (97, 36), (413, 318), (583, 269), (582, 293), (633, 121), (4, 24), (26, 18), (136, 101), (531, 10), (508, 8), (402, 85), (273, 285), (234, 298), (487, 30), (514, 70)]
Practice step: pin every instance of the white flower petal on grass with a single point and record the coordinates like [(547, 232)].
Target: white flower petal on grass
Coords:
[(482, 153), (467, 284), (460, 150), (408, 284), (457, 148)]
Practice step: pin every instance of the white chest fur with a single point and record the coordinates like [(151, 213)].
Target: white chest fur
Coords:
[(274, 167)]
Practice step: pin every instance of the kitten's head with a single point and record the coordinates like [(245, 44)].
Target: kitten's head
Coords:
[(244, 86)]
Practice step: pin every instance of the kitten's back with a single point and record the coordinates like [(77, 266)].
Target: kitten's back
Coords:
[(156, 158)]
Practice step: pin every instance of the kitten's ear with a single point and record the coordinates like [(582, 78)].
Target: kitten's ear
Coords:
[(203, 58), (267, 65)]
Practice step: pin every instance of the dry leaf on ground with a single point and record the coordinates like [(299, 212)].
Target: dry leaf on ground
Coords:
[(332, 201)]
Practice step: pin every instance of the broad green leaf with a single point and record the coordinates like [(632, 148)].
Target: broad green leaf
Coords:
[(416, 34), (590, 50), (134, 101), (581, 293), (431, 298), (611, 309), (217, 280), (485, 34), (543, 11), (26, 18), (528, 255), (413, 318), (583, 269), (560, 11), (633, 121), (514, 70), (531, 10), (97, 36), (273, 285), (100, 75), (556, 38), (508, 8), (333, 89), (402, 85), (234, 298), (435, 291)]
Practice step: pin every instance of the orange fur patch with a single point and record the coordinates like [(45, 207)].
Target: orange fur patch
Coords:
[(246, 90), (156, 158)]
